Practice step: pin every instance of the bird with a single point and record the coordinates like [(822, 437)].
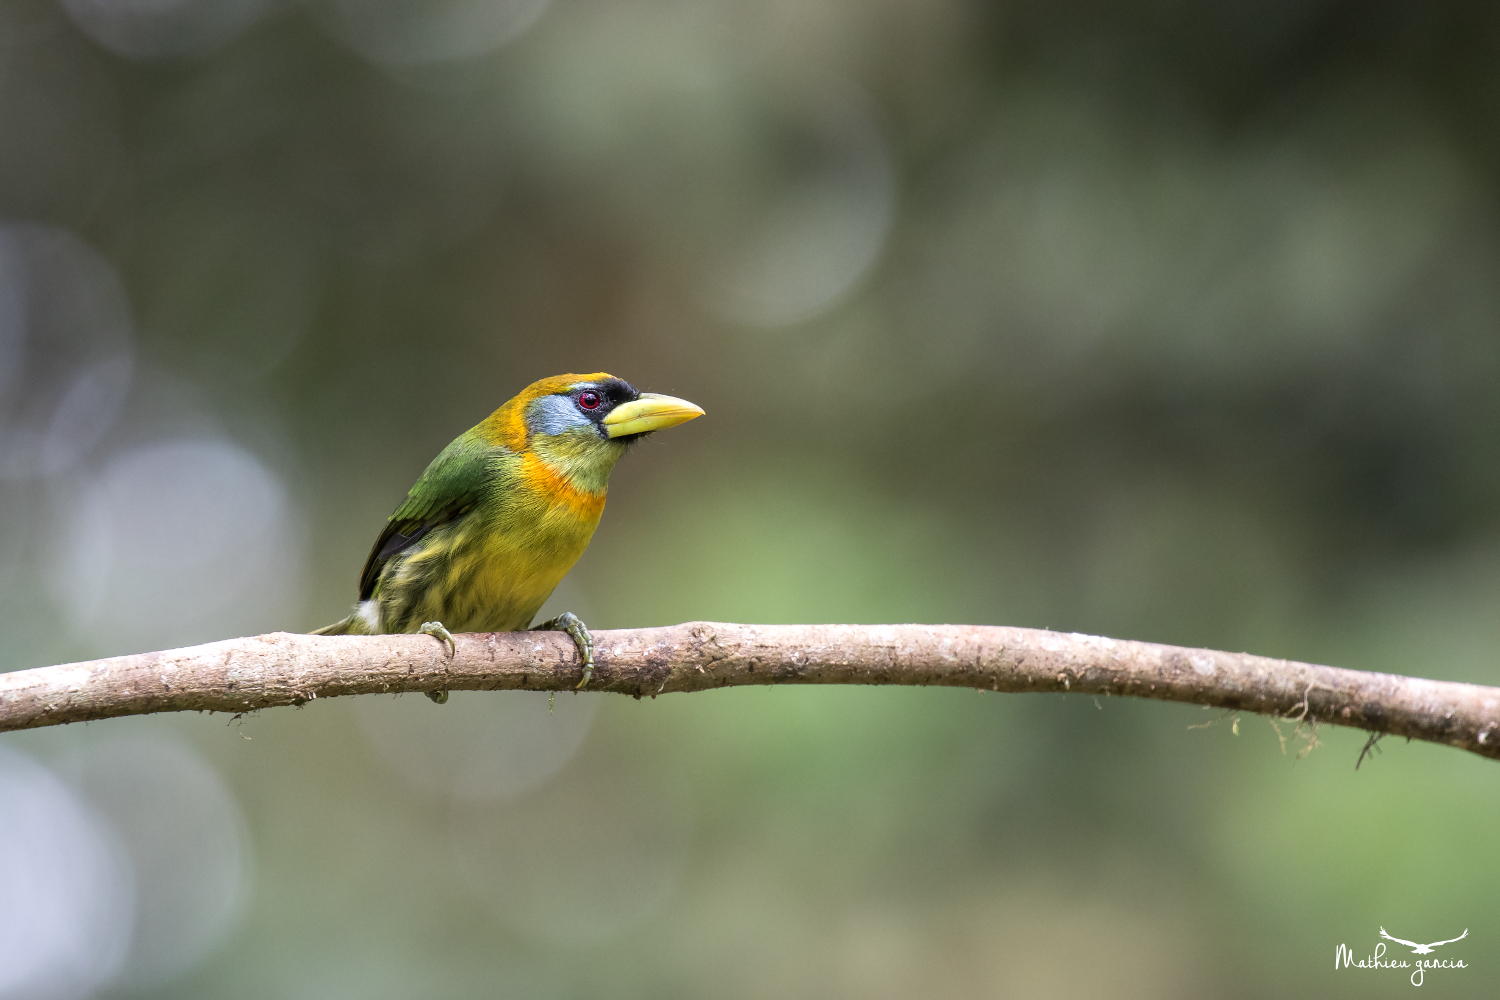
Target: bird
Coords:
[(1423, 949), (503, 512)]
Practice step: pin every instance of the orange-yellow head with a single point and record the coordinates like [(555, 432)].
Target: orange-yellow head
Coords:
[(577, 426)]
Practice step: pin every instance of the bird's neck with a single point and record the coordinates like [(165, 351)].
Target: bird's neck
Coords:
[(574, 463)]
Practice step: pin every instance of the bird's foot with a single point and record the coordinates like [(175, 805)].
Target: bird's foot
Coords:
[(569, 622), (440, 633), (437, 631)]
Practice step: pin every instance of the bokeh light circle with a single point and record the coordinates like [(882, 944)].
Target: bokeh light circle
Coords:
[(187, 841), (66, 888), (156, 29), (587, 856), (400, 33), (821, 211), (481, 745), (66, 349), (175, 541)]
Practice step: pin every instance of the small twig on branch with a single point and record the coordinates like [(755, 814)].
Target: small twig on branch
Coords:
[(1371, 744), (242, 675)]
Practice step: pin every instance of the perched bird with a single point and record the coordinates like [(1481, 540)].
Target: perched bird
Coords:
[(504, 512)]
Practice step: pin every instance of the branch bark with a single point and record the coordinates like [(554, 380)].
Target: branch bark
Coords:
[(243, 675)]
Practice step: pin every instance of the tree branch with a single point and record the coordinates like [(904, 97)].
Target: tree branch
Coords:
[(242, 675)]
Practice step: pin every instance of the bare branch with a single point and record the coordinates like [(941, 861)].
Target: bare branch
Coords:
[(242, 675)]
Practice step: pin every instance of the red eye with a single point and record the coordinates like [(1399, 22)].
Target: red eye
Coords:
[(589, 400)]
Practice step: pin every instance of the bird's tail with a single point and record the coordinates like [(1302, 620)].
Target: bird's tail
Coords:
[(364, 620), (337, 628)]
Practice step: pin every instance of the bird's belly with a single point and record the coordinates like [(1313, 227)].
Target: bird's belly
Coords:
[(502, 591), (477, 579)]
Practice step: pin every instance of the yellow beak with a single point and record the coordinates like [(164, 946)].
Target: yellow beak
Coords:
[(649, 413)]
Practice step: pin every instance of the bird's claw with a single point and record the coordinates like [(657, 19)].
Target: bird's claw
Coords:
[(570, 623), (441, 634)]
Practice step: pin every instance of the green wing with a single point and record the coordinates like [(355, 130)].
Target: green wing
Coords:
[(454, 482)]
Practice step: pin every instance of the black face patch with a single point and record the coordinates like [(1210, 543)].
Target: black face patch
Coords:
[(618, 391), (596, 399)]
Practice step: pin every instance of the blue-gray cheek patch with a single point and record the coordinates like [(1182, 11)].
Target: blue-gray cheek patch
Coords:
[(554, 415)]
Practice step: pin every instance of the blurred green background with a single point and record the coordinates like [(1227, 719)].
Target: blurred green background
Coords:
[(1168, 321)]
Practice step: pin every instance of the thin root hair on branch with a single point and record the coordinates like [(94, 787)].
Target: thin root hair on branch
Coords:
[(281, 668)]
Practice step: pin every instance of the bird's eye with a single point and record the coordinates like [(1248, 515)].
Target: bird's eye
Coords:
[(589, 400)]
